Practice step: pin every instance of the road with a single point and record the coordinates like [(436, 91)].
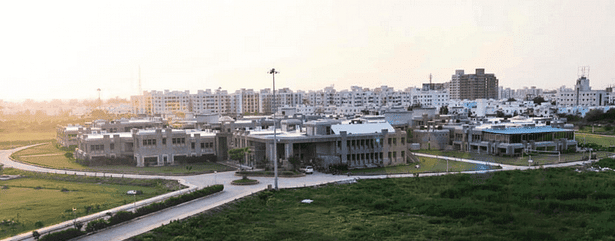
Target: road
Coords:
[(230, 193)]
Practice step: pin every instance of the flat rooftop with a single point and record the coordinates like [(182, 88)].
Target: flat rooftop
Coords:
[(525, 130)]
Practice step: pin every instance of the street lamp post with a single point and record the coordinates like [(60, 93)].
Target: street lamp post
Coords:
[(275, 144)]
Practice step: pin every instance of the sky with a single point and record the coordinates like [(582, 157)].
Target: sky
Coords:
[(69, 49)]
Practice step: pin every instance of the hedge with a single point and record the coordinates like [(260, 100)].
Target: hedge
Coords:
[(63, 235), (123, 216)]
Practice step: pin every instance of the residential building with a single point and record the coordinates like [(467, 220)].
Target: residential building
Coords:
[(473, 86)]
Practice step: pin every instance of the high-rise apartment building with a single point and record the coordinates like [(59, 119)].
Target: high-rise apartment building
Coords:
[(473, 86)]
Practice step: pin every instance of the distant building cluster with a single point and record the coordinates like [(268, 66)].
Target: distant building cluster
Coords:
[(360, 127)]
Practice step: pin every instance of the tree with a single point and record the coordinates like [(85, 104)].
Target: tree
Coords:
[(594, 115), (238, 153), (444, 110), (511, 99), (538, 100), (500, 114), (295, 161)]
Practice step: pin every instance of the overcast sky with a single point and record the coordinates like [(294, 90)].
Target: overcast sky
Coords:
[(65, 50)]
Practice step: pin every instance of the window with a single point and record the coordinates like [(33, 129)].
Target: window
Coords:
[(403, 140), (111, 146), (164, 141), (192, 145), (389, 141), (202, 145)]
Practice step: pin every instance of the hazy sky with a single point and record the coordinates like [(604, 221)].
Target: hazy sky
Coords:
[(65, 50)]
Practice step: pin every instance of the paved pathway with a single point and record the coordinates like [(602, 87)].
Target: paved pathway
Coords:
[(231, 192)]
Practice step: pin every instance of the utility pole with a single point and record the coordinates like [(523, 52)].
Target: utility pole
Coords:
[(275, 138)]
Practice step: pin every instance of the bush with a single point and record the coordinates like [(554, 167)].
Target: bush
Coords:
[(96, 225), (63, 235), (39, 224), (121, 216)]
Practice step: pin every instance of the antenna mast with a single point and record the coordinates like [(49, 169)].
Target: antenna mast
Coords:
[(583, 71)]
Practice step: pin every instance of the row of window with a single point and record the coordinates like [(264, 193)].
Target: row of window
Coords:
[(371, 156)]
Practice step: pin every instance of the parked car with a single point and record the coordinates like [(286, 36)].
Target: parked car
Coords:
[(309, 170)]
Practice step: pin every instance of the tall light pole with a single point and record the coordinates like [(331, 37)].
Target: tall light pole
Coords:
[(275, 138)]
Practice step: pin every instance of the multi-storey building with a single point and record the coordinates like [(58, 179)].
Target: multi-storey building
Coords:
[(245, 102), (583, 95), (156, 147), (205, 102), (473, 86)]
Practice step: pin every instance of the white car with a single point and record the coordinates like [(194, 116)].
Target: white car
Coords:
[(131, 192), (309, 170)]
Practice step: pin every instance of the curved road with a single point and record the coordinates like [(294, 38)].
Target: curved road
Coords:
[(230, 193)]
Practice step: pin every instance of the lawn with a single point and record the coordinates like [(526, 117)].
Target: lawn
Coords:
[(48, 155), (606, 141), (17, 139), (426, 165), (597, 130), (182, 169), (542, 204), (39, 198), (538, 159)]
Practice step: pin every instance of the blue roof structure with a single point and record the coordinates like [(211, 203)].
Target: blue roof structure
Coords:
[(525, 130)]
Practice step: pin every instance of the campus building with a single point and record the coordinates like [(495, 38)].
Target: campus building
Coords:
[(153, 147), (358, 143), (498, 136), (67, 135)]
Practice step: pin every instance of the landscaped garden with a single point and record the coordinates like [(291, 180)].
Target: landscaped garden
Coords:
[(36, 200), (541, 204)]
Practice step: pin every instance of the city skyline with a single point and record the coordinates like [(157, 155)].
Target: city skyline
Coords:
[(67, 50)]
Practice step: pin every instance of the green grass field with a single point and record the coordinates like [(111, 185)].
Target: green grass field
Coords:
[(596, 130), (13, 140), (426, 165), (182, 169), (606, 141), (30, 200), (542, 204), (538, 159), (48, 155)]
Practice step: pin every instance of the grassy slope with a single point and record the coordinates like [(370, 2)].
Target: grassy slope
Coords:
[(24, 202), (426, 165), (539, 159), (551, 204), (48, 155)]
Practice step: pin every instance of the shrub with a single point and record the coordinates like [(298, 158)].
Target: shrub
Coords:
[(96, 225), (39, 224), (63, 235), (121, 216)]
